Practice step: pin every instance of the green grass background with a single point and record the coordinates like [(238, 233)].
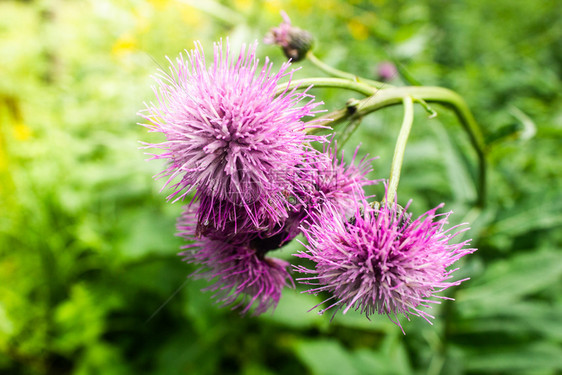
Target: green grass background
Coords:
[(89, 278)]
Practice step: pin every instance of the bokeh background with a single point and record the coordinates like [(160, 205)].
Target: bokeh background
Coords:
[(89, 278)]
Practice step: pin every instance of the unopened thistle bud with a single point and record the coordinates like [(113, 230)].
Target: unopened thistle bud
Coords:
[(387, 71), (294, 41)]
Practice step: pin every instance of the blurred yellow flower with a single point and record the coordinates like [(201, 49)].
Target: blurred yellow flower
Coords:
[(159, 4), (126, 43), (22, 132), (191, 16), (357, 29), (3, 159), (243, 5), (273, 7)]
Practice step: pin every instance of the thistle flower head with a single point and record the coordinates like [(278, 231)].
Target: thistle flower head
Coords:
[(381, 261), (280, 35), (228, 136), (295, 42), (386, 71), (333, 183), (326, 180), (235, 264)]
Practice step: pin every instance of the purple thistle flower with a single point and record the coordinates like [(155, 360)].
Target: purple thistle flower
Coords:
[(280, 35), (333, 183), (386, 71), (381, 260), (326, 181), (243, 276), (228, 136)]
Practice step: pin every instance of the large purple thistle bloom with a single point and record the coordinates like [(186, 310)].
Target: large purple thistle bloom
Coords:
[(381, 261), (228, 136), (235, 264)]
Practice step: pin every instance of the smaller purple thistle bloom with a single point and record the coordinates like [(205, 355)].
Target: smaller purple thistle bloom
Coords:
[(381, 261), (243, 276), (280, 35), (326, 181), (332, 183)]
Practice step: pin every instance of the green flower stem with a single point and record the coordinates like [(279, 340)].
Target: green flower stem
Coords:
[(390, 96), (328, 82), (400, 149), (341, 74)]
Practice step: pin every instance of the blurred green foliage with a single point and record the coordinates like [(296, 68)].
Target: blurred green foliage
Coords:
[(89, 279)]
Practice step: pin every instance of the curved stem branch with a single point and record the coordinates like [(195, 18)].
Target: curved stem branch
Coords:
[(400, 149), (341, 74), (394, 95), (327, 82)]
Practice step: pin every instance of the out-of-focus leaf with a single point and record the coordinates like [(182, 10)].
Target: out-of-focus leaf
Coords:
[(80, 319), (325, 357), (525, 359), (391, 358), (529, 128), (370, 362), (292, 311), (535, 212), (460, 181), (149, 236), (102, 358), (506, 281)]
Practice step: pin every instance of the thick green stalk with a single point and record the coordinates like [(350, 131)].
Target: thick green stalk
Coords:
[(394, 95), (339, 83), (400, 149), (341, 74)]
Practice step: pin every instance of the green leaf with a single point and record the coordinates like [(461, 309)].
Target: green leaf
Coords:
[(458, 165), (391, 358), (293, 311), (325, 357), (524, 359), (508, 280), (535, 212)]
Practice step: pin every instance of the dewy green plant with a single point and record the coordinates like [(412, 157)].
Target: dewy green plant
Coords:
[(240, 143)]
